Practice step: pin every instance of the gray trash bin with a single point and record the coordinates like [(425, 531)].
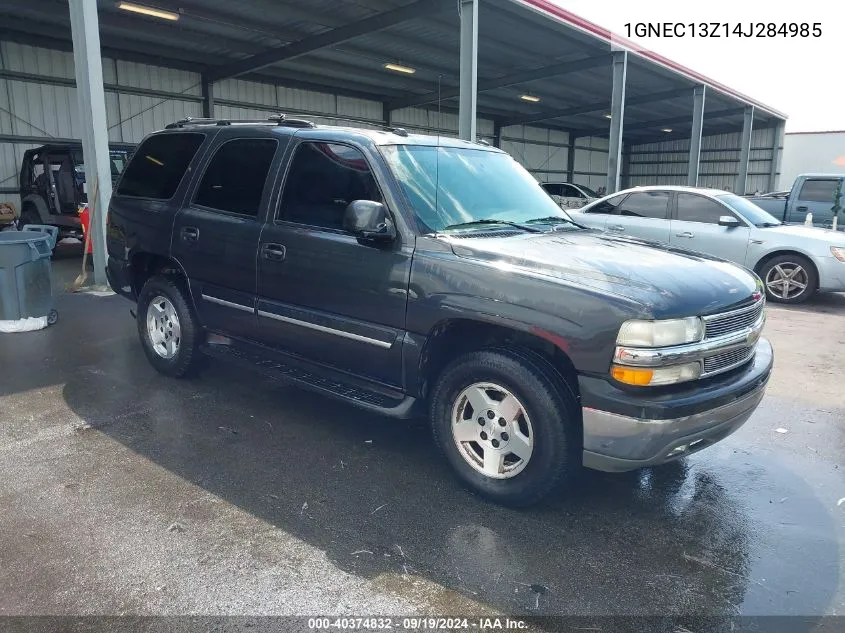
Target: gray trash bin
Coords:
[(26, 288)]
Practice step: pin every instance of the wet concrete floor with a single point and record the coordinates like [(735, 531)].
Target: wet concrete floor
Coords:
[(125, 492)]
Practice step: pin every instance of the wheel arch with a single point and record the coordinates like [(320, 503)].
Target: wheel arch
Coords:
[(765, 259), (452, 337), (145, 265)]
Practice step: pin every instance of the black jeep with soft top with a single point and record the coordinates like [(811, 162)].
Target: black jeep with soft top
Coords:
[(413, 275)]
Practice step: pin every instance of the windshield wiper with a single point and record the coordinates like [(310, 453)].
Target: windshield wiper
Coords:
[(548, 219), (493, 221), (766, 225)]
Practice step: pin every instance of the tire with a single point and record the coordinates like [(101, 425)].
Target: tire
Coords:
[(773, 272), (547, 417), (173, 351)]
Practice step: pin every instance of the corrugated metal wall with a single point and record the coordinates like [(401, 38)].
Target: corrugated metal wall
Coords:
[(43, 105), (545, 153), (667, 162)]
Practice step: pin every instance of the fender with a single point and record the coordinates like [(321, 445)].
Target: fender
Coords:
[(41, 209)]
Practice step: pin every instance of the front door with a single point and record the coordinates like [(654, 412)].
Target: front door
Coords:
[(696, 227), (816, 196), (323, 295), (215, 235), (642, 214)]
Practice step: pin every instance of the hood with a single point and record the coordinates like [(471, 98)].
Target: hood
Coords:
[(828, 236), (665, 282)]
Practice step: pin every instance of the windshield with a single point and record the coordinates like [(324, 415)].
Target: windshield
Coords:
[(589, 191), (749, 211), (117, 161), (473, 185)]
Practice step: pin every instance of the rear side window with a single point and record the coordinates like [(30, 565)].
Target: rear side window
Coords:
[(234, 179), (553, 190), (648, 204), (607, 206), (818, 191), (157, 167), (323, 179)]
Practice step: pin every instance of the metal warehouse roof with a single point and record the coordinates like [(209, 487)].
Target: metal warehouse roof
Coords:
[(341, 46)]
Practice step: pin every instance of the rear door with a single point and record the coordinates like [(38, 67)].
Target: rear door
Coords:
[(596, 216), (695, 227), (815, 196), (215, 235), (642, 214)]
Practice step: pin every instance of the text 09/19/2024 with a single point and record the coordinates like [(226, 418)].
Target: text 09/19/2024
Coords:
[(722, 29)]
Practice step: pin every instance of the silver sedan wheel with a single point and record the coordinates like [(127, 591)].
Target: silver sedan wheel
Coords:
[(163, 327), (787, 280), (492, 430)]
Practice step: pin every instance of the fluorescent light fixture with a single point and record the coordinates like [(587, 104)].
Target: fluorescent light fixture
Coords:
[(399, 68), (151, 11), (530, 98), (607, 116), (667, 129)]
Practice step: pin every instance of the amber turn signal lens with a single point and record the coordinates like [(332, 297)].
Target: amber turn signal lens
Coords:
[(631, 376)]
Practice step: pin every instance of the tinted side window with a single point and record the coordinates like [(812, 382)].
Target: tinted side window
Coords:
[(234, 179), (322, 180), (157, 167), (571, 192), (648, 204), (608, 206), (818, 191), (692, 208), (553, 190)]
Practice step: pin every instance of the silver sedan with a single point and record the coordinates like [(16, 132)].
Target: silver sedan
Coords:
[(793, 261)]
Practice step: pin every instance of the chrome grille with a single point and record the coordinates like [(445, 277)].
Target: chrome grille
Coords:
[(718, 325), (727, 360)]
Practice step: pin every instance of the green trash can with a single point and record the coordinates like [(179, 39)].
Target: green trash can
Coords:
[(26, 285)]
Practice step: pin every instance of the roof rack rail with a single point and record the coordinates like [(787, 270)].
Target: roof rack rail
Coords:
[(276, 119)]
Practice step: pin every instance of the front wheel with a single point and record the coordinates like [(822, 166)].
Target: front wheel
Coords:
[(789, 279), (169, 331), (505, 427)]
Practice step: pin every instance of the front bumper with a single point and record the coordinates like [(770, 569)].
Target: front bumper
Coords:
[(831, 274), (624, 430)]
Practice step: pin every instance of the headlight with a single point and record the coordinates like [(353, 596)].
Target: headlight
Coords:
[(661, 333), (838, 252), (642, 377)]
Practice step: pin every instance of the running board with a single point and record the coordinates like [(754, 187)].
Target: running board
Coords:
[(315, 378)]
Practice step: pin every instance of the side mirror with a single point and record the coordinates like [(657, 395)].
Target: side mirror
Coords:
[(368, 220), (729, 221)]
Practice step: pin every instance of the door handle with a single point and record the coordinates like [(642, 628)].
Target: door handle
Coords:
[(685, 234), (273, 252), (801, 208), (189, 233), (616, 227)]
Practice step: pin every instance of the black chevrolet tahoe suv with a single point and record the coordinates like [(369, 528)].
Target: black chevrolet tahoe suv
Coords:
[(414, 275)]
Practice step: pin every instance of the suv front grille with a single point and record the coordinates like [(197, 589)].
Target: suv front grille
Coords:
[(727, 360), (718, 325)]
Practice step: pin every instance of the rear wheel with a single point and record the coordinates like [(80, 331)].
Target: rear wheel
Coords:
[(789, 279), (169, 331), (505, 427)]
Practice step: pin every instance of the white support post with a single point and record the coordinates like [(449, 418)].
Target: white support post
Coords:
[(469, 70), (698, 96), (745, 151), (92, 114), (617, 117)]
